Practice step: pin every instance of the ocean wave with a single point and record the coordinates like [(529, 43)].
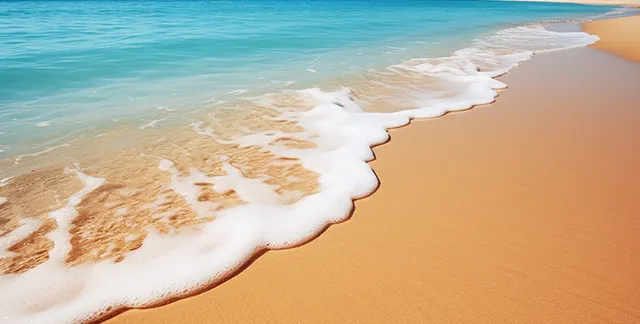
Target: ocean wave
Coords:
[(187, 207)]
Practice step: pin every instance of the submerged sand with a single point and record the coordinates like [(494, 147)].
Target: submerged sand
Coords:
[(524, 211)]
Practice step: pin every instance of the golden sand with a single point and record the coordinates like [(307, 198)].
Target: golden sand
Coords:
[(620, 36), (524, 211)]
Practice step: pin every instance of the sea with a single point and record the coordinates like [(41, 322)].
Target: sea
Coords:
[(149, 149)]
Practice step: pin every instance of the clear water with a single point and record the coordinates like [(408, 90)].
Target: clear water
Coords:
[(72, 66)]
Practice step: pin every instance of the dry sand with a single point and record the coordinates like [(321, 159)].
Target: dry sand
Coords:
[(524, 211), (620, 36)]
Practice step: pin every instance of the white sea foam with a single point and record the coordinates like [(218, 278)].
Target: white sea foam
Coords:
[(237, 92), (343, 134), (533, 38), (165, 108), (5, 181), (28, 226), (151, 124), (20, 157)]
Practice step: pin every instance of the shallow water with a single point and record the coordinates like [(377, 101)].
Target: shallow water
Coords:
[(70, 66), (152, 147)]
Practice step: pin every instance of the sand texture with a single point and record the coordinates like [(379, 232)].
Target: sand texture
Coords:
[(620, 36), (523, 211)]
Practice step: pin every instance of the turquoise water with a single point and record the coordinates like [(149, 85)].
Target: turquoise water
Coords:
[(71, 66)]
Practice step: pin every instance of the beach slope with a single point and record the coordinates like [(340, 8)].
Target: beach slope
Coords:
[(524, 211), (620, 36)]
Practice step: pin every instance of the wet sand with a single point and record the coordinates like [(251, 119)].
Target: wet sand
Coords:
[(523, 211), (618, 36)]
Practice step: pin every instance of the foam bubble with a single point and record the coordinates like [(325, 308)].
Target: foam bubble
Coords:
[(237, 92), (151, 124), (20, 157), (28, 226), (533, 38), (5, 181), (165, 165)]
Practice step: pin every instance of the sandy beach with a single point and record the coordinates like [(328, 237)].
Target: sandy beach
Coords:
[(619, 36), (522, 211)]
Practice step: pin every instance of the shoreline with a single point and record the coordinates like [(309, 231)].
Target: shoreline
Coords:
[(267, 271), (399, 191), (617, 36)]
